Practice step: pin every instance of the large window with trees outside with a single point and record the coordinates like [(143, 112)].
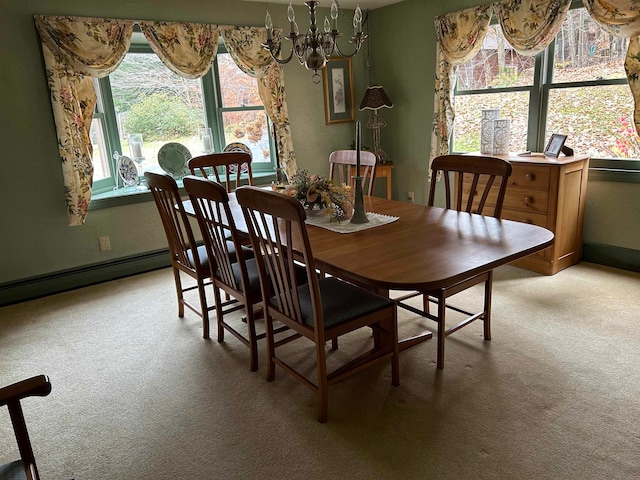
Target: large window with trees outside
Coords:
[(144, 96), (576, 87)]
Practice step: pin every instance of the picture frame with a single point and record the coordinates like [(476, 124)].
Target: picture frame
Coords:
[(338, 91), (554, 146)]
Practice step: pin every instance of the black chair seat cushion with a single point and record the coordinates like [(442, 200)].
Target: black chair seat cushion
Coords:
[(252, 273), (341, 301), (203, 258), (254, 276), (13, 471)]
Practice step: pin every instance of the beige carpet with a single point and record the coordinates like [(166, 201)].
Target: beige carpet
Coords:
[(138, 394)]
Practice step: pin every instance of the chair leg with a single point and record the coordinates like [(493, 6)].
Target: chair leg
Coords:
[(270, 341), (253, 342), (204, 309), (442, 308), (323, 387), (425, 303), (179, 293), (219, 314), (488, 287)]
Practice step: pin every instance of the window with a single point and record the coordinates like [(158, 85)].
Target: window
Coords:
[(144, 96), (576, 87)]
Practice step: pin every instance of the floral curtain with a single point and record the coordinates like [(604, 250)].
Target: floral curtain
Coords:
[(622, 19), (78, 48), (74, 50), (244, 44), (187, 49), (528, 25), (459, 36)]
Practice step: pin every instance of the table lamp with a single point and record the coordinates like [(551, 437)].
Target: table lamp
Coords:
[(374, 99)]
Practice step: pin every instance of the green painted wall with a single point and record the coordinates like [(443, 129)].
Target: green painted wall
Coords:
[(403, 44), (35, 238)]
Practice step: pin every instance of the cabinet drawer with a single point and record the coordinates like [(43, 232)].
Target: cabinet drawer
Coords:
[(530, 176), (535, 201), (525, 217), (525, 176)]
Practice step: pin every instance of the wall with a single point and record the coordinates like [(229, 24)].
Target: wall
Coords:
[(404, 51), (35, 238)]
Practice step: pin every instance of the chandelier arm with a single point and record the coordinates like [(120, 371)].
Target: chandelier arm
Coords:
[(275, 51), (358, 39), (337, 48)]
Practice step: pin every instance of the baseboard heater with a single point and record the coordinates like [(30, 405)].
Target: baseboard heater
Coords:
[(62, 281)]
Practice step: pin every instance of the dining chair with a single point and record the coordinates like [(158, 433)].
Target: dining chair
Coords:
[(233, 270), (186, 256), (342, 164), (225, 166), (488, 179), (11, 396), (320, 310)]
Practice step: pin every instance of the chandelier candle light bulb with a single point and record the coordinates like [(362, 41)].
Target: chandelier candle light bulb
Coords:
[(314, 48)]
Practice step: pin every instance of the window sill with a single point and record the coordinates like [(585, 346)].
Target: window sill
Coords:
[(626, 171), (130, 195)]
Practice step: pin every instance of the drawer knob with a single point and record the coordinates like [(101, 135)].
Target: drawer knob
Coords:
[(528, 200), (529, 176), (530, 222)]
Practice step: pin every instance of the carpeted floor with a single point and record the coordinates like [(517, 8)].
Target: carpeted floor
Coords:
[(138, 394)]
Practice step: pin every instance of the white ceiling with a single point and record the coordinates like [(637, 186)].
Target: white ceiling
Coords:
[(348, 4)]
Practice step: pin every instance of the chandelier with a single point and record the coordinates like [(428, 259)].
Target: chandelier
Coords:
[(314, 48)]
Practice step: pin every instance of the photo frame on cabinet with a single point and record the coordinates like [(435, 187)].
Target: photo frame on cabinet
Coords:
[(338, 91), (554, 146)]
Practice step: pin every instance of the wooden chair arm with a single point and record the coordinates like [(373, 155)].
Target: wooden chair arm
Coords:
[(35, 386)]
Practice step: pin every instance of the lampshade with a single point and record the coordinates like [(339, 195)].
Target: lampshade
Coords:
[(375, 98)]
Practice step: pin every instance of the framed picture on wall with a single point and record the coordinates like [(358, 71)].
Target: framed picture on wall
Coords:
[(338, 91)]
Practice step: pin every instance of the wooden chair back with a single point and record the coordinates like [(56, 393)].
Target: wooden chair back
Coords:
[(274, 221), (483, 171), (186, 256), (174, 219), (227, 167), (11, 396), (210, 202), (342, 164)]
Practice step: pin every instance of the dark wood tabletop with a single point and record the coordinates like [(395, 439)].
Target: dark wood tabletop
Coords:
[(427, 248)]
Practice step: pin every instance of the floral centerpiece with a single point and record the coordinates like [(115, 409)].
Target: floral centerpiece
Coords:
[(319, 194)]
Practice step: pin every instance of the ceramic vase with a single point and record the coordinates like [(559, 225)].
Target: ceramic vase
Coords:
[(487, 129), (501, 130)]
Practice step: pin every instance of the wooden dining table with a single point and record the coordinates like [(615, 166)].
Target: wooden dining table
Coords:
[(425, 249)]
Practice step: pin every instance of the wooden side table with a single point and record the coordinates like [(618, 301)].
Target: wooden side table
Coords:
[(384, 170)]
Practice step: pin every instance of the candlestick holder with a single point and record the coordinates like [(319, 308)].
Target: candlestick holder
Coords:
[(359, 215), (281, 178)]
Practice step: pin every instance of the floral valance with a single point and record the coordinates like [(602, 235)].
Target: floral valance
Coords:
[(529, 26), (75, 49)]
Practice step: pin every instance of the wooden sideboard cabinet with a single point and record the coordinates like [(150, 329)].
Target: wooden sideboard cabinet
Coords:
[(549, 192)]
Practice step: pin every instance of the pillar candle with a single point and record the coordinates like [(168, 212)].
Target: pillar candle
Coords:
[(275, 141), (136, 149), (357, 148)]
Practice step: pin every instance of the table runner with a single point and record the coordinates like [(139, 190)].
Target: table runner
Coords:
[(375, 220)]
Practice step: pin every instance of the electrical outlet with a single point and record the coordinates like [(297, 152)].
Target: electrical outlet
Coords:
[(410, 196), (105, 244)]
